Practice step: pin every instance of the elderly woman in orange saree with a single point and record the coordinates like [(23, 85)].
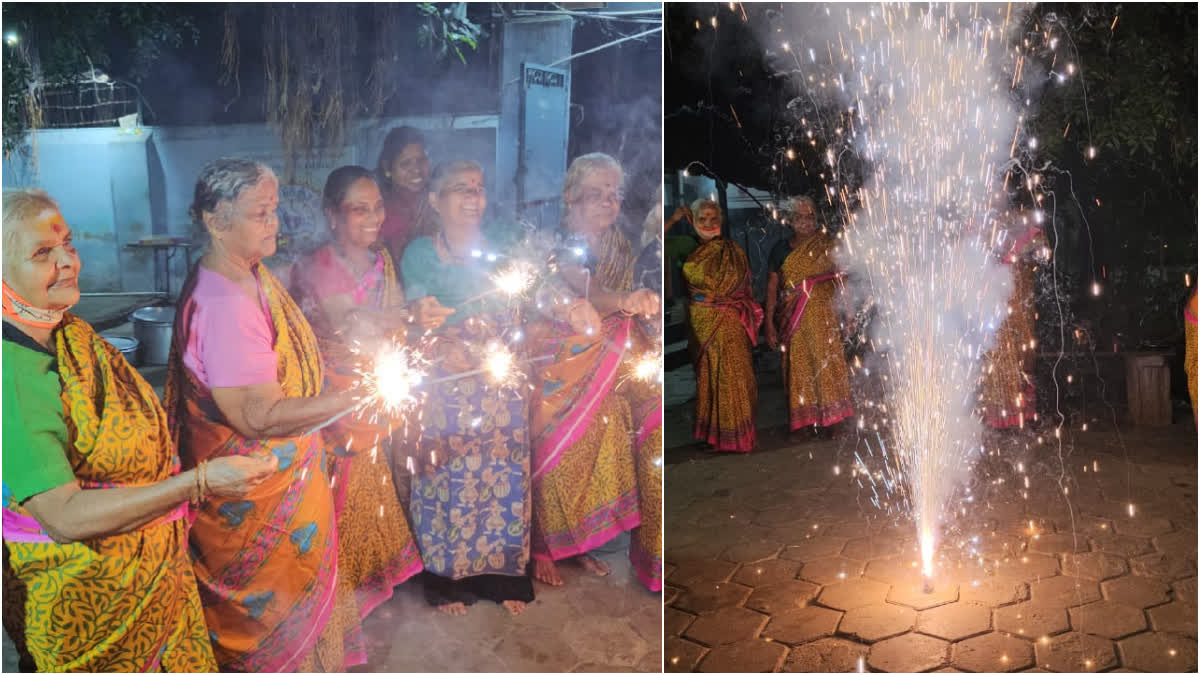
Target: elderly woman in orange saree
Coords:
[(588, 476), (97, 575), (724, 321), (244, 378), (1008, 396), (349, 293), (802, 283)]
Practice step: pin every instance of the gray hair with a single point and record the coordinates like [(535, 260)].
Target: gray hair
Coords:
[(224, 180), (585, 164), (19, 207), (797, 199), (701, 204), (446, 170)]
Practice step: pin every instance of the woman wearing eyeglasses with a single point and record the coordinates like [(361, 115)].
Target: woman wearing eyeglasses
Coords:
[(801, 284), (724, 321)]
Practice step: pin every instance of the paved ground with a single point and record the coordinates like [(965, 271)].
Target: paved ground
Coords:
[(776, 562)]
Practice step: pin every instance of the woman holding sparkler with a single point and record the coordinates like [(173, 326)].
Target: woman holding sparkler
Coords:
[(801, 283), (351, 296), (244, 378), (587, 482), (1008, 394), (94, 500), (470, 500), (403, 175), (724, 321)]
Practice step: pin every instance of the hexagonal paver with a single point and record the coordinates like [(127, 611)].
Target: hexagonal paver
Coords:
[(993, 591), (675, 621), (877, 622), (748, 656), (1095, 566), (1185, 591), (866, 548), (1028, 567), (782, 596), (1140, 592), (1122, 545), (1164, 566), (725, 626), (908, 653), (854, 593), (1032, 619), (710, 597), (1175, 617), (831, 570), (767, 572), (1181, 543), (689, 573), (913, 594), (1059, 543), (992, 653), (802, 625), (670, 594), (955, 621), (752, 551), (1065, 591), (1108, 619), (1158, 653), (827, 655), (681, 656), (1075, 653), (1143, 527), (813, 548), (894, 570), (779, 516)]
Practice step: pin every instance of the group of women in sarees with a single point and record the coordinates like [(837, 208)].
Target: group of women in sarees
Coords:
[(246, 521)]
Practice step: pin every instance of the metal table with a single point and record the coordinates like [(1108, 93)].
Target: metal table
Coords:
[(165, 249)]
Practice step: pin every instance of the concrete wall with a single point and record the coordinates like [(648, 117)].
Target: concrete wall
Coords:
[(116, 186)]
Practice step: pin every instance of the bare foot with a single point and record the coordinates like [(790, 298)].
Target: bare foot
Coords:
[(514, 607), (597, 567), (453, 609), (545, 572)]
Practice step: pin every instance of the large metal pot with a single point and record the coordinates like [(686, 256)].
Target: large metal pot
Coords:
[(128, 346), (152, 326)]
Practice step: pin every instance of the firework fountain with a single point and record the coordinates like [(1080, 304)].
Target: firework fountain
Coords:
[(923, 102)]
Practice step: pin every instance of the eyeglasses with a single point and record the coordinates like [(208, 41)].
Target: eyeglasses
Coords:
[(466, 191)]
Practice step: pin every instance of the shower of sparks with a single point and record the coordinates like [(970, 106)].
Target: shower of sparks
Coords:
[(500, 362), (391, 381), (648, 367), (516, 278)]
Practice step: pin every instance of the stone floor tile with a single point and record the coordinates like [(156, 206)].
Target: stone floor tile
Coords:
[(725, 626), (877, 622), (609, 642), (1163, 566), (813, 548), (875, 546), (1032, 619), (1125, 546), (675, 621), (1094, 566), (827, 655), (691, 573), (858, 592), (908, 653), (913, 594), (1065, 591), (831, 570), (670, 594), (748, 656), (782, 596), (767, 572), (1075, 653), (709, 597), (993, 591), (1028, 567), (1158, 653), (1143, 527), (955, 621), (1174, 617), (849, 529), (1141, 592), (806, 624), (752, 551), (894, 569), (681, 656), (992, 653), (1185, 591), (1059, 543), (1180, 543), (1108, 619)]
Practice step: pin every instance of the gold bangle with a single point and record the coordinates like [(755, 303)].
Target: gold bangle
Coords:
[(203, 480)]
